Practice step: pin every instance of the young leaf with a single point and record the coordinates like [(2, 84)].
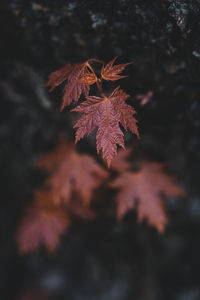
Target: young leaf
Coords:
[(110, 72), (88, 77), (143, 190), (43, 224), (71, 172), (79, 78), (106, 114)]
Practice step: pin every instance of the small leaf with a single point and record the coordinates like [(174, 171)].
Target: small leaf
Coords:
[(79, 80), (88, 77), (110, 72)]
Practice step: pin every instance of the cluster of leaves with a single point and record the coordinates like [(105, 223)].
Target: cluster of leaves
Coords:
[(67, 193), (69, 188), (73, 177), (105, 112)]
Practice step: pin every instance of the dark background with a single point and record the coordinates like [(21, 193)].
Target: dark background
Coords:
[(102, 260)]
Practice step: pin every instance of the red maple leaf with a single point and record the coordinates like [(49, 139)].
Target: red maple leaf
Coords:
[(143, 190), (106, 113), (43, 224), (110, 72), (80, 77), (88, 77), (71, 172)]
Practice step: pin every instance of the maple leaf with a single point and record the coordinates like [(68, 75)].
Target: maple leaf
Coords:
[(80, 77), (71, 172), (43, 224), (88, 77), (106, 114), (111, 73), (143, 190)]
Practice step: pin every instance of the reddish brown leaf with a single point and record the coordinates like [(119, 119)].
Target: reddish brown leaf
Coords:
[(88, 77), (110, 72), (106, 114), (43, 224), (143, 190), (71, 172), (79, 78)]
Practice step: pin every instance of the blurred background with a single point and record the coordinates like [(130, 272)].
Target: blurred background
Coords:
[(102, 259)]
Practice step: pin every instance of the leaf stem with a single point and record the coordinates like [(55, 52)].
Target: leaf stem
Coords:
[(91, 69), (99, 80), (99, 86)]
